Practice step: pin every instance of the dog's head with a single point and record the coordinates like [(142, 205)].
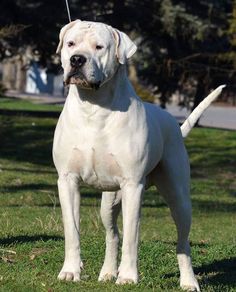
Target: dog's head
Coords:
[(91, 52)]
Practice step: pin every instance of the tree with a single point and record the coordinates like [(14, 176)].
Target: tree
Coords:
[(177, 39), (188, 40)]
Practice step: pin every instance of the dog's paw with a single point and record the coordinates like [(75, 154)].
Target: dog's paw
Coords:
[(69, 276), (190, 285), (190, 288), (107, 277), (107, 273), (70, 272), (125, 280), (127, 275)]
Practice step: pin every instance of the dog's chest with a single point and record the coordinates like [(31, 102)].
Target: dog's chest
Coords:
[(96, 167)]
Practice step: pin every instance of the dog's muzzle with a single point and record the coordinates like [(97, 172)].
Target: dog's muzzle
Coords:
[(76, 75)]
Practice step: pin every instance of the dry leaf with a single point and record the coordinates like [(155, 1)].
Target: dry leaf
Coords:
[(36, 252), (7, 251), (8, 259)]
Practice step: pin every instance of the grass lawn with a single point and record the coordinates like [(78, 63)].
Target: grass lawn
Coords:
[(15, 104), (31, 231)]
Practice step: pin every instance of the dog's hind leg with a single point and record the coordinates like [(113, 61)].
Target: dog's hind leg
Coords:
[(172, 180), (110, 208)]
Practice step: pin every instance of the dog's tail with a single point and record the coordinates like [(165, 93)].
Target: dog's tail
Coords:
[(198, 111)]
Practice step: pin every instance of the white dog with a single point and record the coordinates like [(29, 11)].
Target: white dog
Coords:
[(108, 138)]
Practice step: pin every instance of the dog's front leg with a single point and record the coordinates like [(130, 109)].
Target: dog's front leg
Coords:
[(110, 209), (70, 204), (131, 205)]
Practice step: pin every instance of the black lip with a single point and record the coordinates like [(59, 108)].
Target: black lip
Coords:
[(95, 85), (72, 74)]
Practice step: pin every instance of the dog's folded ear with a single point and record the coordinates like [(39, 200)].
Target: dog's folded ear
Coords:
[(125, 48), (63, 32)]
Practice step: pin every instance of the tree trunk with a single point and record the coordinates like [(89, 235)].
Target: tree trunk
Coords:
[(14, 74), (8, 74), (20, 75)]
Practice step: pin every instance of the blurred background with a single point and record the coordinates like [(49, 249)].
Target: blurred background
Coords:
[(185, 48)]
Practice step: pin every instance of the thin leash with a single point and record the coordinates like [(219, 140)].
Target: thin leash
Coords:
[(68, 10)]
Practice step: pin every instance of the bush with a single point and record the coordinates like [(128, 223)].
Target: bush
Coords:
[(144, 93)]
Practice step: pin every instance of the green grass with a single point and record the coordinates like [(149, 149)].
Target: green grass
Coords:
[(31, 231), (15, 104)]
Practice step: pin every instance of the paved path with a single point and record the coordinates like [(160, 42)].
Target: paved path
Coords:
[(215, 116), (37, 98)]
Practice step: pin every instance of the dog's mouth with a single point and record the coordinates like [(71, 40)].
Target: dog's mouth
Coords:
[(79, 79)]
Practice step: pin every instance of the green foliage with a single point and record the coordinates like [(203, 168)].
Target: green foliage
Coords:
[(31, 231), (230, 55), (232, 26), (11, 31), (176, 18), (187, 42), (144, 93)]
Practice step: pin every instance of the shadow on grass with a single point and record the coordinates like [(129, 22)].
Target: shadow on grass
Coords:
[(27, 140), (192, 244), (31, 113), (22, 170), (28, 187), (28, 239), (219, 272), (213, 206), (214, 159), (151, 199)]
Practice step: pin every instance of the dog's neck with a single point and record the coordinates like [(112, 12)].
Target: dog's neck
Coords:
[(111, 95)]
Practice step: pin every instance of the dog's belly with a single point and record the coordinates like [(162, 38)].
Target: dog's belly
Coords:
[(97, 169)]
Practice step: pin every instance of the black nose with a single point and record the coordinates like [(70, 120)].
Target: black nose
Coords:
[(77, 60)]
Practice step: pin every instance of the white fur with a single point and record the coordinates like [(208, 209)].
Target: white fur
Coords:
[(198, 111), (111, 140)]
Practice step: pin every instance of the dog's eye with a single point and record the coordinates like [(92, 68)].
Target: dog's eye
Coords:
[(70, 44), (98, 47)]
